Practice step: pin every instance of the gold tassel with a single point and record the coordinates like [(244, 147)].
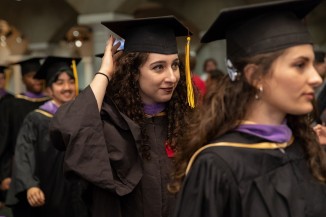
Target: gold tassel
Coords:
[(8, 76), (74, 70), (190, 91)]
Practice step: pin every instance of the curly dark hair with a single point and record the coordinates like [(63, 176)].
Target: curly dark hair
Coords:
[(124, 91), (226, 104)]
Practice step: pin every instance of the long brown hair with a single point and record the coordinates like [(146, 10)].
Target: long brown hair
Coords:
[(124, 91), (225, 104)]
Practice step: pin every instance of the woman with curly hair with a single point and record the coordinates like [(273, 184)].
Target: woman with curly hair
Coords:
[(121, 132), (255, 152)]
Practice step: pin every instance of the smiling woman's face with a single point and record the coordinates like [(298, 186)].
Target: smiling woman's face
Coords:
[(158, 78)]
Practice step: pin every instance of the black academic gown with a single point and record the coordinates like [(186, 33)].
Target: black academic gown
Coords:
[(37, 163), (103, 149), (12, 113), (6, 96), (244, 182)]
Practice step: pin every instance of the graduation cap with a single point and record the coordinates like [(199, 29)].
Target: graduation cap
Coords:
[(154, 35), (29, 65), (53, 66), (261, 28)]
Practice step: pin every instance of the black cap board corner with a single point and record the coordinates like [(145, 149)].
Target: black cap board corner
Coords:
[(261, 28), (153, 34)]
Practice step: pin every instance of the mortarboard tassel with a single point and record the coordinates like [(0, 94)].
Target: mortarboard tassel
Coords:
[(190, 91), (74, 70), (8, 76)]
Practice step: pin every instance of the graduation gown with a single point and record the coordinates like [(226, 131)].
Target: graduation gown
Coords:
[(6, 96), (12, 113), (103, 149), (37, 163), (246, 182)]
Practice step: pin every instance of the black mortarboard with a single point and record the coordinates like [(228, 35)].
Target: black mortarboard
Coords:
[(2, 69), (154, 35), (29, 65), (320, 56), (261, 28), (52, 66)]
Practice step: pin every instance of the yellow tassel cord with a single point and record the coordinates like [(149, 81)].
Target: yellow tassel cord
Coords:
[(8, 76), (74, 70), (190, 91)]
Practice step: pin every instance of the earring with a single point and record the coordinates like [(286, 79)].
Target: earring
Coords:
[(260, 90)]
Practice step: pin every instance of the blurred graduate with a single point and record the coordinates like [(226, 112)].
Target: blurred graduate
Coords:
[(38, 166), (12, 113), (3, 80)]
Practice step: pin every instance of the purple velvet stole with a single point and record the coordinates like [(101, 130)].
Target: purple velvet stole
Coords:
[(50, 107), (33, 95), (275, 133), (154, 108)]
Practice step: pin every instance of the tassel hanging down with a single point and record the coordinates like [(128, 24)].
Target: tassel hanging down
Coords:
[(190, 91), (74, 70)]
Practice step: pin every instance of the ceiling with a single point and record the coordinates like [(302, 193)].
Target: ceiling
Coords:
[(47, 21)]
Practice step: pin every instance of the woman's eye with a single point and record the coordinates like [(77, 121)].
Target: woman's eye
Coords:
[(299, 65), (175, 66), (158, 68)]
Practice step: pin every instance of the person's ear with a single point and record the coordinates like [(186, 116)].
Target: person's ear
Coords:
[(252, 75), (49, 91)]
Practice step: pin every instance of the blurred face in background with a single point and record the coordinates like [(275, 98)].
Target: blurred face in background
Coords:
[(63, 89), (210, 65), (321, 68), (32, 85)]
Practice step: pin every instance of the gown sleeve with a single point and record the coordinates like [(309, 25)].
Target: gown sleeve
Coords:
[(24, 160), (24, 165), (208, 190), (77, 128)]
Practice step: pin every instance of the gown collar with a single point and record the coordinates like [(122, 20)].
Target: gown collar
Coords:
[(275, 133), (50, 107), (154, 109)]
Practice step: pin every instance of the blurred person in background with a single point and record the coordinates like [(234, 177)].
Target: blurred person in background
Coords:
[(38, 187), (209, 65), (12, 113), (3, 80)]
